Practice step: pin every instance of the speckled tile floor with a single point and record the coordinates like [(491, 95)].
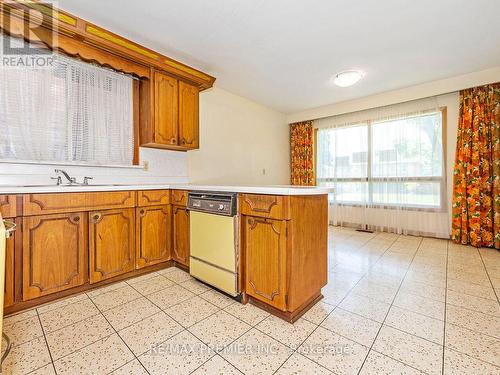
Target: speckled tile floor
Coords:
[(393, 305)]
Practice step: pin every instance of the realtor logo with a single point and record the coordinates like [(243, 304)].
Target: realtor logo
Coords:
[(27, 31)]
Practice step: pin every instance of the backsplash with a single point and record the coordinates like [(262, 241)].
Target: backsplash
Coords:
[(163, 167)]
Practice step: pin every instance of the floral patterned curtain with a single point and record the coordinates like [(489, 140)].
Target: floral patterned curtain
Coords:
[(476, 191), (302, 153)]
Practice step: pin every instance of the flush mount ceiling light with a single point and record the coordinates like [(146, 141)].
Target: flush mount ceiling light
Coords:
[(347, 78)]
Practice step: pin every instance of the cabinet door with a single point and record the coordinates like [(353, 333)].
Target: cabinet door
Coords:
[(54, 253), (112, 243), (180, 251), (265, 258), (188, 116), (153, 235), (166, 109)]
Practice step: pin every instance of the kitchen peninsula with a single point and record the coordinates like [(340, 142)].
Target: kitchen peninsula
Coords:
[(75, 238)]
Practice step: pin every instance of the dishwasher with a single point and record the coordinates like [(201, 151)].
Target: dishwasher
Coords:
[(6, 229), (214, 239)]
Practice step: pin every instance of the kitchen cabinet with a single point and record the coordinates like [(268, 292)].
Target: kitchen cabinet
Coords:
[(265, 244), (8, 299), (188, 116), (173, 106), (153, 235), (180, 251), (112, 243), (54, 251)]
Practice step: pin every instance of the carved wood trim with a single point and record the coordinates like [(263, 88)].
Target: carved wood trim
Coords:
[(143, 214), (264, 209), (147, 198)]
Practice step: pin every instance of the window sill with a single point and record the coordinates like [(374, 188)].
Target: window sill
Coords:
[(69, 164)]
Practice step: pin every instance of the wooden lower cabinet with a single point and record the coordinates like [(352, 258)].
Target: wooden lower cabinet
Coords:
[(153, 235), (180, 250), (54, 253), (111, 243), (8, 299), (265, 244)]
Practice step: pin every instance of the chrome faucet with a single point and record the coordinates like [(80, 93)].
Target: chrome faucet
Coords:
[(71, 180)]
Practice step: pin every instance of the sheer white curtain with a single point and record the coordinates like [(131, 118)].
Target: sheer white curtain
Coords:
[(387, 168), (72, 111)]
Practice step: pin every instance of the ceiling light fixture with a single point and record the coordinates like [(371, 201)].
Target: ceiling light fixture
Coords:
[(347, 78)]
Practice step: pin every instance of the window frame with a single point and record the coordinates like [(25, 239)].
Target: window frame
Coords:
[(442, 179)]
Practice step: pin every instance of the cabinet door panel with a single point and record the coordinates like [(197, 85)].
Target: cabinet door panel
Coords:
[(265, 254), (188, 116), (166, 109), (54, 252), (112, 245), (153, 235), (8, 299), (180, 251)]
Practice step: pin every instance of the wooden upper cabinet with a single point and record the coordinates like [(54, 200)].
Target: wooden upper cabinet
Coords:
[(54, 253), (168, 113), (189, 116), (166, 109), (153, 235), (112, 245), (180, 251), (264, 242)]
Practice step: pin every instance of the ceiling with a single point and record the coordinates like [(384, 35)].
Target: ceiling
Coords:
[(282, 53)]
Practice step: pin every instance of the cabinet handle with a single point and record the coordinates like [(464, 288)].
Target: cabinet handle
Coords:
[(75, 218), (96, 218), (173, 141), (183, 141), (142, 212)]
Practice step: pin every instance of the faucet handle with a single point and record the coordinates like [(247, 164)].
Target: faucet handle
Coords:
[(58, 180), (86, 180)]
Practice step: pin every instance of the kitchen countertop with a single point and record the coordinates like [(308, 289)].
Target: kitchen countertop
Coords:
[(270, 189)]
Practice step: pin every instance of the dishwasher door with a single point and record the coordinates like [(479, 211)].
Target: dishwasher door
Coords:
[(213, 250)]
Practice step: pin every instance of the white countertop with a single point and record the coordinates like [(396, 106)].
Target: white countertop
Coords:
[(271, 189)]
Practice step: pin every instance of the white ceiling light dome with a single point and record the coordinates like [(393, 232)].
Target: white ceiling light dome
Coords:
[(347, 78)]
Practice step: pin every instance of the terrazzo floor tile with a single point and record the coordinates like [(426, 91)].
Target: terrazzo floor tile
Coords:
[(45, 370), (219, 330), (66, 315), (473, 320), (170, 296), (338, 354), (177, 275), (318, 312), (484, 305), (152, 285), (101, 357), (367, 307), (218, 299), (132, 368), (297, 364), (19, 316), (456, 363), (146, 334), (249, 313), (411, 350), (179, 355), (416, 324), (292, 335), (61, 303), (139, 279), (105, 289), (129, 313), (256, 353), (379, 364), (27, 357), (420, 305), (216, 365), (194, 286), (471, 289), (108, 300), (76, 336), (191, 311), (423, 290), (23, 331), (382, 293), (355, 327), (476, 345)]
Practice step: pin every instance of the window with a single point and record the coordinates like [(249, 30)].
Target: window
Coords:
[(69, 112), (395, 162)]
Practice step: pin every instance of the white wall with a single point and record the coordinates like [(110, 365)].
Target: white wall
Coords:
[(241, 142)]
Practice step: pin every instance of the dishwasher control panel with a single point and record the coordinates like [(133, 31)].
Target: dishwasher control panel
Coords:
[(213, 203)]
